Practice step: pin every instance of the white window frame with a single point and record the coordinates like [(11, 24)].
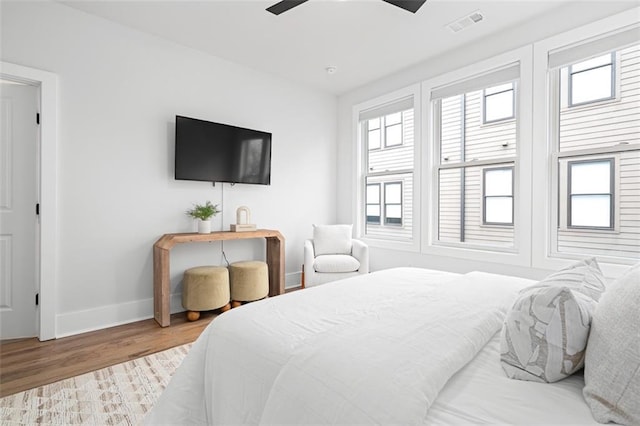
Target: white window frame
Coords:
[(545, 172), (360, 152), (520, 254)]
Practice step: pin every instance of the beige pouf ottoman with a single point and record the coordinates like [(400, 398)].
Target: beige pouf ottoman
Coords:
[(205, 288), (249, 281)]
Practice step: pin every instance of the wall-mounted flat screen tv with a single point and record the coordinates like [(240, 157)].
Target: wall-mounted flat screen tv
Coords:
[(216, 152)]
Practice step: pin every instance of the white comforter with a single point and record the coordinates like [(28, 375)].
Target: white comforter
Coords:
[(370, 349)]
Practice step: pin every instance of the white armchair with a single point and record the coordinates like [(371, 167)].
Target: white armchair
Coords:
[(332, 255)]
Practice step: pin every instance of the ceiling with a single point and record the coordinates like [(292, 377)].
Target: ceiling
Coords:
[(364, 39)]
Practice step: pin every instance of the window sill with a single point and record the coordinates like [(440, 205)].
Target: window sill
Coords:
[(391, 244), (503, 255)]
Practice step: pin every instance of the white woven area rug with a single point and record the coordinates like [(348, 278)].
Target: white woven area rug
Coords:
[(117, 395)]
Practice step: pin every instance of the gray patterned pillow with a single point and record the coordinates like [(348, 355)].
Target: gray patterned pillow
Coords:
[(545, 333), (612, 363)]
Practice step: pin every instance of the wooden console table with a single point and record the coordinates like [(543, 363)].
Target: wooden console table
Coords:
[(161, 263)]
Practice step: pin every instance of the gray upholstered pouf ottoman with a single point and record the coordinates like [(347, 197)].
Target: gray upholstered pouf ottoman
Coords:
[(249, 281), (205, 288)]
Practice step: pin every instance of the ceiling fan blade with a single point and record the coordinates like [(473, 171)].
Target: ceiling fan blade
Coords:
[(408, 5), (283, 6)]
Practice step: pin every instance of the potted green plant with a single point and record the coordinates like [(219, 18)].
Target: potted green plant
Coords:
[(204, 213)]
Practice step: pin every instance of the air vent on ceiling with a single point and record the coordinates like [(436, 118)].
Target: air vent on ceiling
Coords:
[(462, 23)]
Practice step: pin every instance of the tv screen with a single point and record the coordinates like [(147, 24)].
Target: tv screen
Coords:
[(216, 152)]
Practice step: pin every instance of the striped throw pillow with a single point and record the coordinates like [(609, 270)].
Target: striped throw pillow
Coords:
[(545, 333)]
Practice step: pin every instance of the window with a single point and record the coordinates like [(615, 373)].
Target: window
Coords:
[(592, 80), (595, 149), (386, 141), (385, 131), (590, 193), (393, 203), (497, 197), (498, 103), (477, 163)]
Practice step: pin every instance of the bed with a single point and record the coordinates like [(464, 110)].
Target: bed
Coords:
[(399, 346)]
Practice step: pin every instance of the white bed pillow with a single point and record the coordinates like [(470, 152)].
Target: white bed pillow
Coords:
[(332, 239), (612, 363), (545, 333)]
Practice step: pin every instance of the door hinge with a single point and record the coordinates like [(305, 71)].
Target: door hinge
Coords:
[(37, 209), (37, 118), (37, 299)]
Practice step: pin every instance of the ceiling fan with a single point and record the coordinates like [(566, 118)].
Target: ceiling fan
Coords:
[(408, 5)]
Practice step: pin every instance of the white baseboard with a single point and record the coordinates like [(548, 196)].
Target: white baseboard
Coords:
[(72, 323), (77, 322)]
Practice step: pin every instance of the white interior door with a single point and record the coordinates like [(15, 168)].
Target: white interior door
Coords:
[(18, 219)]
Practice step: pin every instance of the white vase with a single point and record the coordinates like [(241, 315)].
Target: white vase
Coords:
[(204, 226)]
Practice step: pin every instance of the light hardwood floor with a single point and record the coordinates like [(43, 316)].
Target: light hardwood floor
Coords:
[(28, 363)]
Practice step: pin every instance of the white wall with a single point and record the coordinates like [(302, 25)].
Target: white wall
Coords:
[(119, 92), (562, 19)]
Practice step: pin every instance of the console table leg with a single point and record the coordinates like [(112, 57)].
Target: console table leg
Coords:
[(161, 286), (275, 260)]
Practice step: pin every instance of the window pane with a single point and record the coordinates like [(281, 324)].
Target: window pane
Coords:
[(591, 63), (374, 123), (591, 210), (392, 193), (499, 210), (498, 106), (374, 139), (498, 182), (590, 177), (373, 194), (394, 135), (591, 85)]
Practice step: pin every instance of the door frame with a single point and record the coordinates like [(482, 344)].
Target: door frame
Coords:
[(46, 253)]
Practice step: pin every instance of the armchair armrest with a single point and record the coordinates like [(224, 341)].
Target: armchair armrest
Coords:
[(360, 251), (309, 257)]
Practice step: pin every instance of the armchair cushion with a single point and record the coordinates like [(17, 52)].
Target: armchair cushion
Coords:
[(336, 263), (332, 239)]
